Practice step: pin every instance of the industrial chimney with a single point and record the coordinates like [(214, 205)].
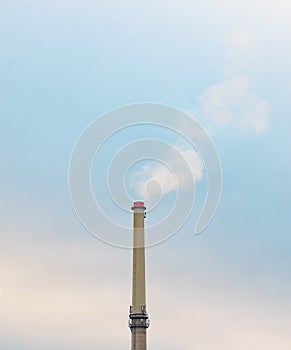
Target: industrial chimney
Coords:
[(138, 317)]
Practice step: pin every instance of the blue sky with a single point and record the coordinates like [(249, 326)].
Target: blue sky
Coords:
[(64, 64)]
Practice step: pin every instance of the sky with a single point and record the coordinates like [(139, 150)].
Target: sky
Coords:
[(63, 64)]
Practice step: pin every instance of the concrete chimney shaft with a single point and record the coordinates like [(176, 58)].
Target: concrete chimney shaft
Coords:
[(138, 317)]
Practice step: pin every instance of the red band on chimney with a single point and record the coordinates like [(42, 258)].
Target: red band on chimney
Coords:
[(138, 204)]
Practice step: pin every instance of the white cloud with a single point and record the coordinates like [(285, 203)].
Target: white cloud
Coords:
[(167, 177), (233, 103)]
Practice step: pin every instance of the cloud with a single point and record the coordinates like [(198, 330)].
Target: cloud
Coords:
[(232, 103), (167, 177)]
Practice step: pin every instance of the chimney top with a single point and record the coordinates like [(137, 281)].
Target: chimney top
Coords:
[(138, 204)]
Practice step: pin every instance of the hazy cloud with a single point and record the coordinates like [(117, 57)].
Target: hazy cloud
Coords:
[(232, 103)]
